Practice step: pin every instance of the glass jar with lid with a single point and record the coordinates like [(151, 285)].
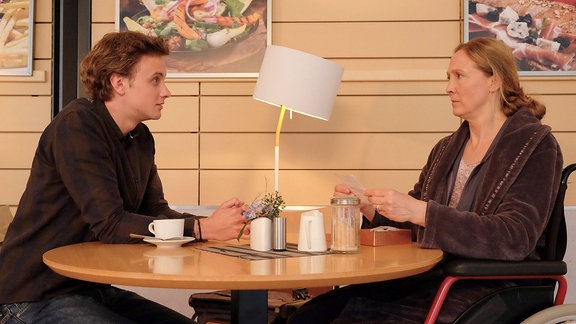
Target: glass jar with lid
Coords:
[(346, 222)]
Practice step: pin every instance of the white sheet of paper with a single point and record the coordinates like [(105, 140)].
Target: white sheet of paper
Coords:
[(357, 188)]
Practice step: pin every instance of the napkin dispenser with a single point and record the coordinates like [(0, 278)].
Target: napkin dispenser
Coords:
[(385, 235)]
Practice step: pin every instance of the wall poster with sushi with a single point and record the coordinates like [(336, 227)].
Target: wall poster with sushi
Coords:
[(541, 33), (207, 38)]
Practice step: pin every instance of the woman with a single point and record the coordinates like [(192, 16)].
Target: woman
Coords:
[(486, 191)]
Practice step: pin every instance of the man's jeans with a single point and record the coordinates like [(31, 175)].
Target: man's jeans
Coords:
[(98, 305)]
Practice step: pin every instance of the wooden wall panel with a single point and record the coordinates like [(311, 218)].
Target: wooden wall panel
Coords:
[(99, 30), (180, 114), (356, 69), (176, 151), (24, 113), (39, 84), (18, 149), (350, 114), (317, 151), (228, 87), (104, 10), (180, 186), (560, 112), (367, 10), (298, 187), (43, 41), (552, 86), (332, 10), (391, 87), (567, 141), (13, 184), (237, 114), (401, 65), (180, 87), (370, 39), (42, 11), (359, 83)]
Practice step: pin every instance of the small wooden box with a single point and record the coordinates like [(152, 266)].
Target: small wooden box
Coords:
[(385, 237)]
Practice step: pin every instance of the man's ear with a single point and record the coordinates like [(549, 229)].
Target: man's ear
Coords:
[(118, 83)]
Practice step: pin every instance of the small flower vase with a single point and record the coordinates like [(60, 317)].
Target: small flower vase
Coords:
[(261, 234)]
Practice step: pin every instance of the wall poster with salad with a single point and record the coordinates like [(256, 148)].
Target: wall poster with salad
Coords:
[(207, 38), (541, 33), (16, 31)]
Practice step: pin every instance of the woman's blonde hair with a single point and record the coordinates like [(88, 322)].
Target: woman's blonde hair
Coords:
[(494, 58)]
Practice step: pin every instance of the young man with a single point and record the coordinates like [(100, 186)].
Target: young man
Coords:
[(94, 178)]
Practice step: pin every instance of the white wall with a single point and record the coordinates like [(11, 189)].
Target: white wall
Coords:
[(177, 299)]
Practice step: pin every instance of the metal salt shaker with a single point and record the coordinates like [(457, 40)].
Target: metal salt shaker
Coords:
[(279, 233)]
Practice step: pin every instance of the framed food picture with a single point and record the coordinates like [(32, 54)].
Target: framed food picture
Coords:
[(207, 38), (16, 37), (541, 34)]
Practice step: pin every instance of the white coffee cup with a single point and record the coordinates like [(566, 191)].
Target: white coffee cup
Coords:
[(167, 228), (312, 236)]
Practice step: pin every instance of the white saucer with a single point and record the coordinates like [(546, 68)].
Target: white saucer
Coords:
[(170, 244)]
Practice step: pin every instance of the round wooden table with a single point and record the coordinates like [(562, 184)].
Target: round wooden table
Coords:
[(190, 267)]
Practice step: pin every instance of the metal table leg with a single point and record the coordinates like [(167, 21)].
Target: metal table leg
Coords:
[(249, 306)]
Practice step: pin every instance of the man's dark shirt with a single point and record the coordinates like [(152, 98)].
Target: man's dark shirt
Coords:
[(88, 182)]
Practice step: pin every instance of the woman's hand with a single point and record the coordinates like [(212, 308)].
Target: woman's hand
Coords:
[(226, 222), (365, 207), (397, 206)]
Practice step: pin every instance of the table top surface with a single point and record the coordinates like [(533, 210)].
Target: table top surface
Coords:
[(189, 267)]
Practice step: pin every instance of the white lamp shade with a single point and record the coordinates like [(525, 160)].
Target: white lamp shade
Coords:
[(302, 82)]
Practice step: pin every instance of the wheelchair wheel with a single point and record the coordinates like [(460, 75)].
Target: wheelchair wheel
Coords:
[(553, 315)]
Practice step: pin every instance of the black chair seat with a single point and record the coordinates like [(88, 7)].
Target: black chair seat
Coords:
[(473, 268), (509, 305)]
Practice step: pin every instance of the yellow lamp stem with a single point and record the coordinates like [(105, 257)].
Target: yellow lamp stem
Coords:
[(279, 126), (277, 147)]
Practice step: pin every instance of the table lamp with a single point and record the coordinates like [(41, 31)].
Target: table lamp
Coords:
[(299, 82)]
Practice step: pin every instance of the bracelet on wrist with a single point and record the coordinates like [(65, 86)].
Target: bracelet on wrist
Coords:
[(199, 238)]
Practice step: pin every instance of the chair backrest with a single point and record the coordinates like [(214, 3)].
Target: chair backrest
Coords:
[(555, 233)]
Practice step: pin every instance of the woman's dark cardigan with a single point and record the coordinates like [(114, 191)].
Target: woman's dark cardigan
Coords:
[(518, 182)]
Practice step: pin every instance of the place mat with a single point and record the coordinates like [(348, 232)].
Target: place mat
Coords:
[(245, 252)]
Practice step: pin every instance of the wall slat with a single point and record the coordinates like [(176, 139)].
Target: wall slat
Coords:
[(19, 149), (180, 114), (298, 187), (13, 185), (317, 151), (24, 113), (350, 114), (370, 39), (365, 10), (176, 151)]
